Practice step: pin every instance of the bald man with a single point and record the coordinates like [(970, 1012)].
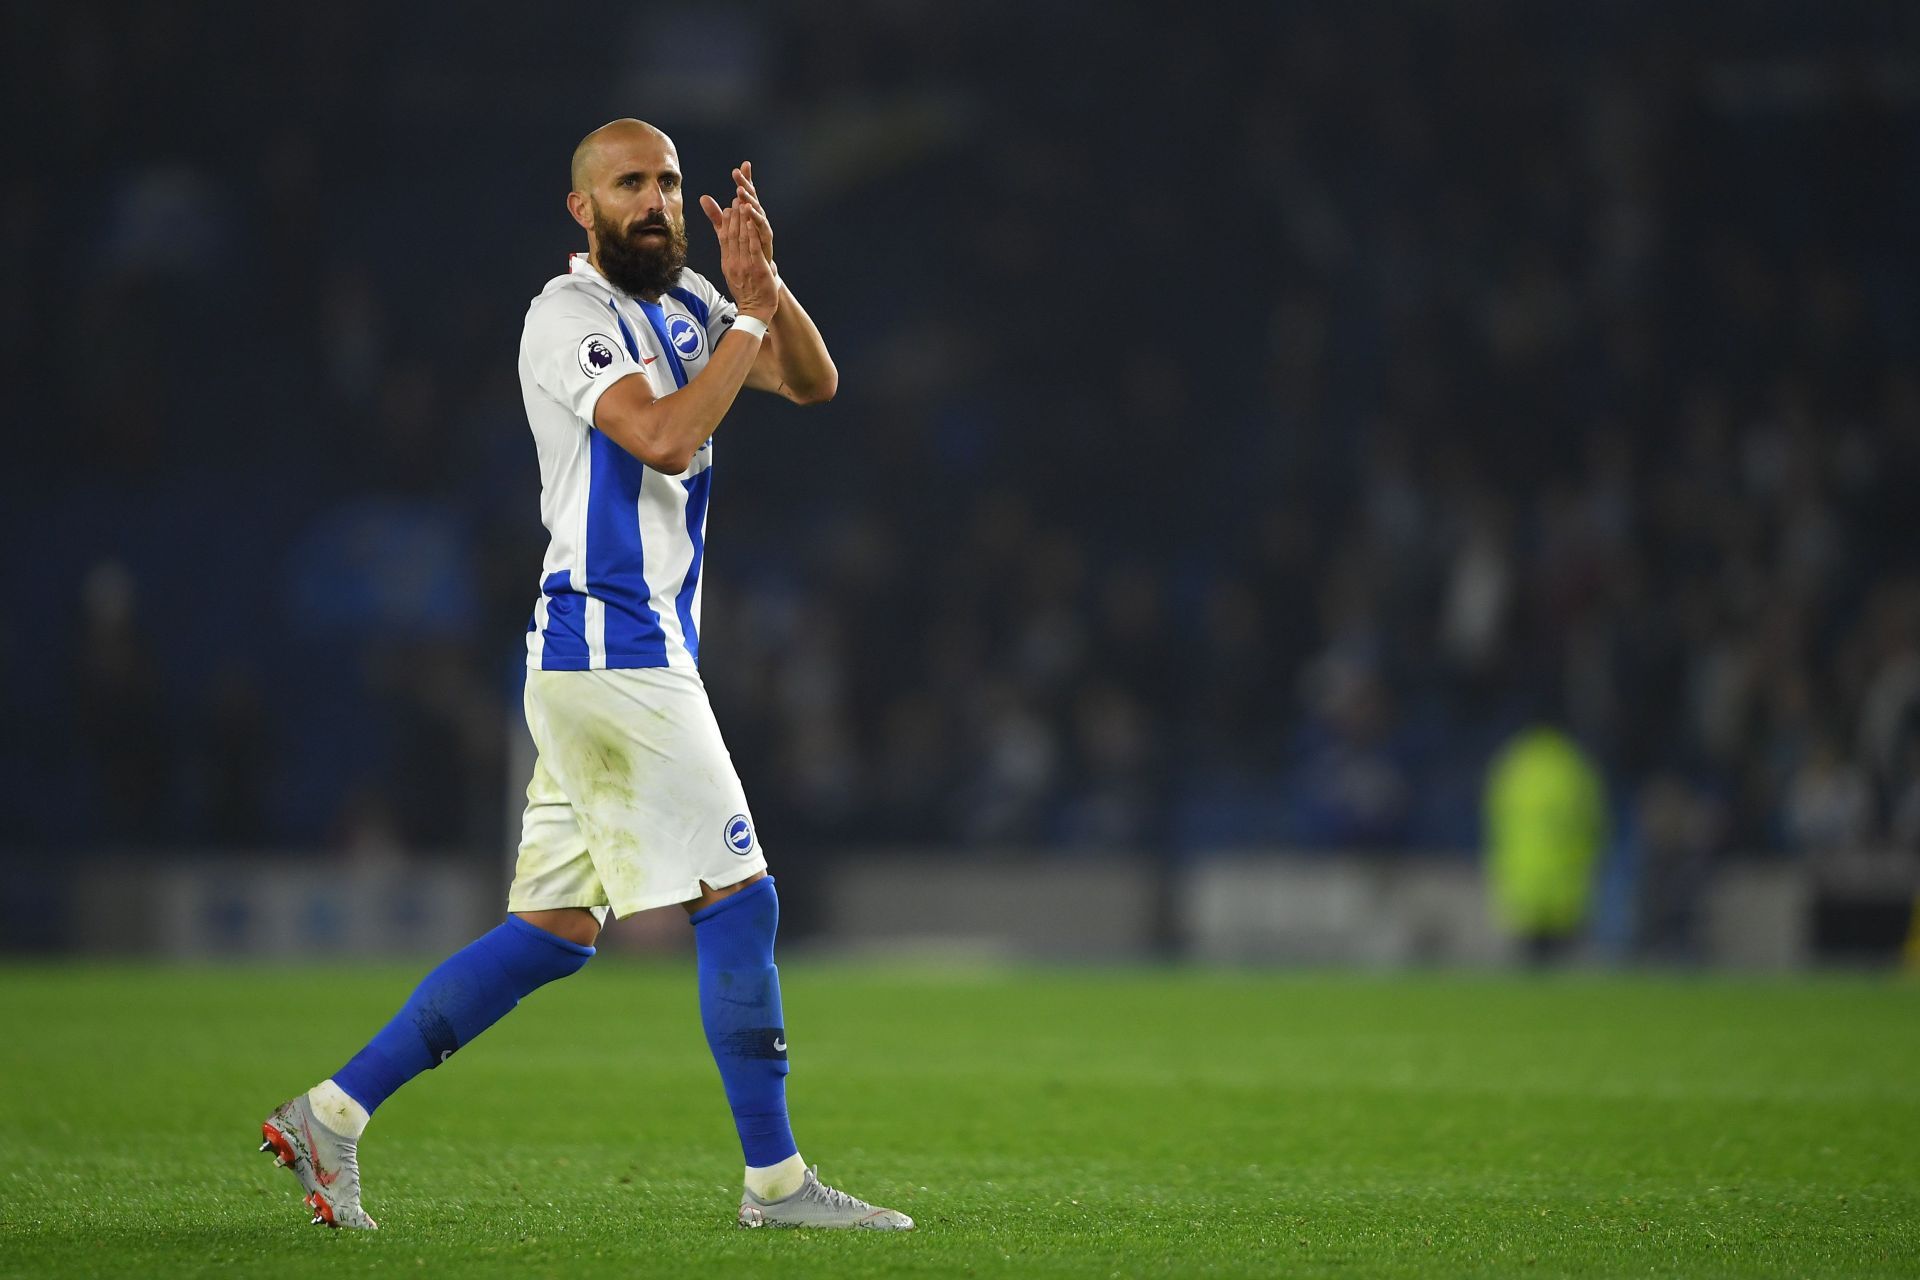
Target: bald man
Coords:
[(628, 363)]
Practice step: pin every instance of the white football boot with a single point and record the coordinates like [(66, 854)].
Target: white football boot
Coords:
[(327, 1164), (816, 1204)]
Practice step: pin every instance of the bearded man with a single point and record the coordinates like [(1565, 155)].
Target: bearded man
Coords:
[(628, 363)]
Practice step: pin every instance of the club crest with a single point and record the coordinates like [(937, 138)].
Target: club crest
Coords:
[(686, 337)]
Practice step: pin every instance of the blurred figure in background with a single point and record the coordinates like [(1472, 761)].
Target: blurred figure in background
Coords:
[(1546, 820), (119, 708), (1676, 831)]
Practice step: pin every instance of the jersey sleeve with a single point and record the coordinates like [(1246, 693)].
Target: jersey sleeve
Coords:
[(575, 349)]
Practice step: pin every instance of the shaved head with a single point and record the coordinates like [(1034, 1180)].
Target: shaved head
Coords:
[(588, 162)]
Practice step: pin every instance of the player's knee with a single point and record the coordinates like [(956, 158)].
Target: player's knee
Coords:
[(710, 895), (572, 924)]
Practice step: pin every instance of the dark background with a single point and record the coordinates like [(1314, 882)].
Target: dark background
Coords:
[(1249, 417)]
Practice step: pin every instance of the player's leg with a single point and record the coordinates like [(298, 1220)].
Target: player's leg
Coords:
[(734, 929), (664, 814), (470, 991), (317, 1134)]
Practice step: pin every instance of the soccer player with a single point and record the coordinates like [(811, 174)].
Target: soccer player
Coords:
[(627, 365)]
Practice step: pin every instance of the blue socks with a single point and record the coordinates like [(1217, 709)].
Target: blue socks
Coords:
[(470, 991), (740, 1009)]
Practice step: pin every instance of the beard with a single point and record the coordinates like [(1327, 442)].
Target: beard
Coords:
[(636, 263)]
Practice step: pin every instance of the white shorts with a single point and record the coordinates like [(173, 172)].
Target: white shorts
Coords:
[(634, 801)]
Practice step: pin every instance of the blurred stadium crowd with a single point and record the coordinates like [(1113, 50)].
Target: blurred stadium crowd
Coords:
[(1247, 422)]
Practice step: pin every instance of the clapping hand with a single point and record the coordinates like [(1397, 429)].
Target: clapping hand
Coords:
[(748, 196), (746, 240)]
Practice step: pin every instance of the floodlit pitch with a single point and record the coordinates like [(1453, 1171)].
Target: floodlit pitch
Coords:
[(1035, 1123)]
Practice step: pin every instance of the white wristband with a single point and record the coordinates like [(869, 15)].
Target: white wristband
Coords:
[(750, 324)]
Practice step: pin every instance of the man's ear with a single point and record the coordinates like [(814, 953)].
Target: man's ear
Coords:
[(578, 206)]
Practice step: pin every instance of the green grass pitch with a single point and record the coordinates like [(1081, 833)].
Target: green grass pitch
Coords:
[(1035, 1122)]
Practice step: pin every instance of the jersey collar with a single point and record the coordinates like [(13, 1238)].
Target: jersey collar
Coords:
[(579, 264)]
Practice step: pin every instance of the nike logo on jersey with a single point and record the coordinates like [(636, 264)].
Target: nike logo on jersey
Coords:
[(649, 359)]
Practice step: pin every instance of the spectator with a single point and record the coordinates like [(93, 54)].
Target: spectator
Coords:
[(1546, 822)]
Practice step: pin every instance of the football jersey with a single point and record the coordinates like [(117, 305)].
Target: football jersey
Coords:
[(620, 586)]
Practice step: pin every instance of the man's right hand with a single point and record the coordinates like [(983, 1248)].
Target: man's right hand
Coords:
[(750, 278)]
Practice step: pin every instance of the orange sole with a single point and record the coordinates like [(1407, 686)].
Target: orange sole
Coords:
[(278, 1141)]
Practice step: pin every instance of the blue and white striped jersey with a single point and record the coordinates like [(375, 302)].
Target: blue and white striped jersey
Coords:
[(621, 583)]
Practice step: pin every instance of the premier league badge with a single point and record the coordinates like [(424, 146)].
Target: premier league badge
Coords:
[(597, 354)]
